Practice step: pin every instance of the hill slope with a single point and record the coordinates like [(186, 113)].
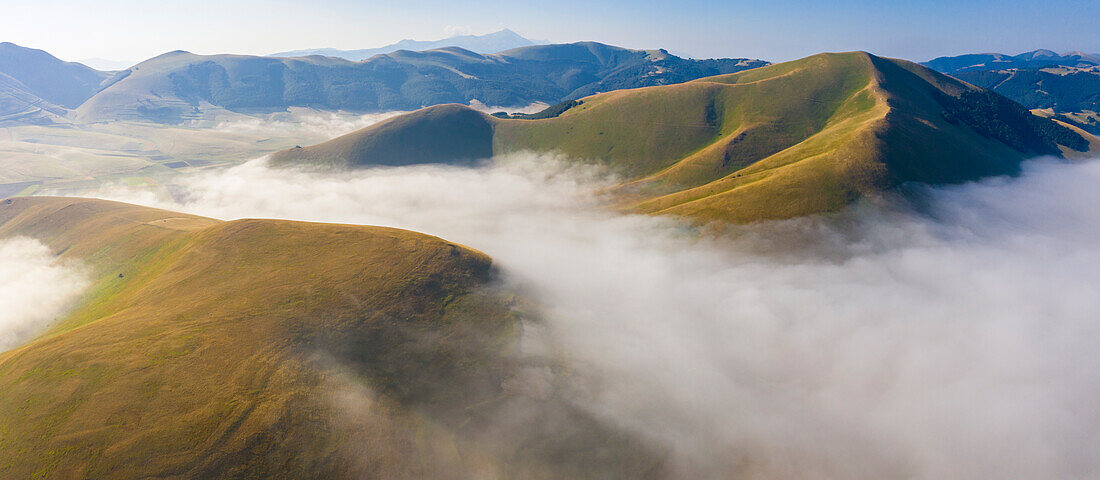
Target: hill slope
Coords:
[(19, 105), (66, 84), (178, 86), (278, 349), (489, 43), (774, 142)]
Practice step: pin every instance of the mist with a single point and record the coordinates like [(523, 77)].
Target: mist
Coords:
[(949, 334), (309, 124), (35, 289)]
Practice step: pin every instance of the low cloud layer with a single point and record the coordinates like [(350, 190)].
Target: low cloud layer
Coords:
[(35, 288), (949, 336), (306, 123)]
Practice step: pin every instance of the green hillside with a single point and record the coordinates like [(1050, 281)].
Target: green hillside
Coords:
[(774, 142), (279, 349)]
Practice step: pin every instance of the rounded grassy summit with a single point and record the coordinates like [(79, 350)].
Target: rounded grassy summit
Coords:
[(281, 349), (780, 141)]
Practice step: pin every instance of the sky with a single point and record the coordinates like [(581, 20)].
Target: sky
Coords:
[(775, 30)]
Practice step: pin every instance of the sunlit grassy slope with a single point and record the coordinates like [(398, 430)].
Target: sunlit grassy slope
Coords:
[(774, 142), (279, 349)]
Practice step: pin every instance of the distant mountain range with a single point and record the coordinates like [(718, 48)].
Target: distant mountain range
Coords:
[(489, 43), (1065, 86), (998, 61), (781, 141), (180, 86)]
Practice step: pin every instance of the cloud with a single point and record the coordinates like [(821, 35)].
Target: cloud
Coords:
[(532, 108), (35, 288), (456, 30), (305, 123), (949, 335)]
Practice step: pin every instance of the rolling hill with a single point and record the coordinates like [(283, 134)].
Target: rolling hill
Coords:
[(180, 86), (780, 141), (489, 43), (280, 349)]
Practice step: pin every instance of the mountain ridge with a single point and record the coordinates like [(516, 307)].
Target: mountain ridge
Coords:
[(780, 141), (494, 42), (1040, 58)]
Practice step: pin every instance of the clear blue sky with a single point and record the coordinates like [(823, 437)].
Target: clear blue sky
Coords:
[(770, 29)]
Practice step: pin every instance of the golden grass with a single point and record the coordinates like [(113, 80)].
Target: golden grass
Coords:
[(279, 349), (781, 141)]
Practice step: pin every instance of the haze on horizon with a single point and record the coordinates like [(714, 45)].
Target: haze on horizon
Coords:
[(132, 31)]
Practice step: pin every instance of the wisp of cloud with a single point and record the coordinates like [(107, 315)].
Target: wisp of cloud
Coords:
[(949, 336), (35, 288)]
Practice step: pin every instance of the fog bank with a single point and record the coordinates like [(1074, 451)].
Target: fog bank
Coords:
[(950, 337), (35, 288)]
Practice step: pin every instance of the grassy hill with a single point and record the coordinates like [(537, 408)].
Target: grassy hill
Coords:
[(180, 86), (279, 349), (779, 141)]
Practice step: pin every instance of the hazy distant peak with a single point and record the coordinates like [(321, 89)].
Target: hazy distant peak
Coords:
[(489, 43), (1040, 53)]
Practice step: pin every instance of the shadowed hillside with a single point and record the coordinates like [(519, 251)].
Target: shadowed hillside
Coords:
[(279, 349), (457, 133), (774, 142)]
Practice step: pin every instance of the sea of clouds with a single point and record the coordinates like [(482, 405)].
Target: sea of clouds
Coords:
[(949, 334)]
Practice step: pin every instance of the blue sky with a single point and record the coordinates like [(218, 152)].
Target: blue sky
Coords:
[(770, 29)]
